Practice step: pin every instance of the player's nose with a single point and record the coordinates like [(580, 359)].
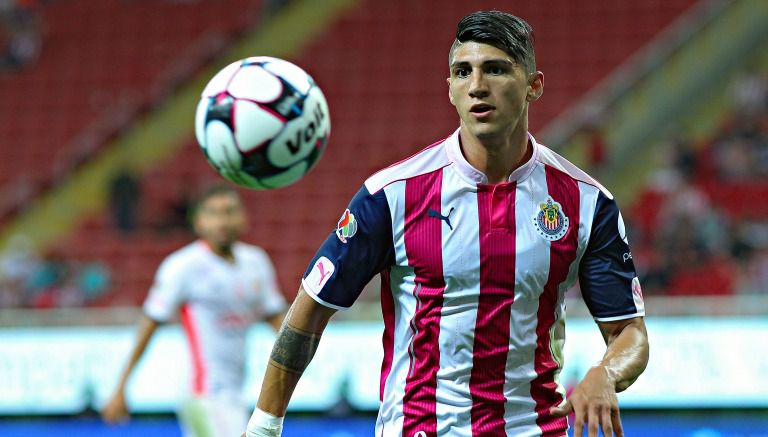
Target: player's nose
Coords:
[(478, 87)]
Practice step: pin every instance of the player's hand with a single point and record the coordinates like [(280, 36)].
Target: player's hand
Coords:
[(593, 402), (116, 410)]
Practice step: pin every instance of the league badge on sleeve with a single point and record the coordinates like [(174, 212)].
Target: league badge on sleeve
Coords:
[(550, 221), (347, 226)]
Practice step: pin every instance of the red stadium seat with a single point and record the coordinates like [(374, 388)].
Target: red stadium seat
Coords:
[(383, 72)]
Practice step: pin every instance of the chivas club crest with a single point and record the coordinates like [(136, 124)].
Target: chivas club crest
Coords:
[(550, 221)]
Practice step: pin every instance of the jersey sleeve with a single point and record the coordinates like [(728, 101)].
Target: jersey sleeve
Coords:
[(609, 284), (359, 248), (272, 299), (167, 292)]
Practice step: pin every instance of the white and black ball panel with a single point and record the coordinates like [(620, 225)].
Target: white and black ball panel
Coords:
[(244, 179), (220, 147), (252, 82), (292, 74), (220, 108), (253, 125), (288, 176)]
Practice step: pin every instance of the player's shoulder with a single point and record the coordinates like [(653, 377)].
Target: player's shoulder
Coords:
[(185, 255), (248, 250), (429, 159), (549, 157)]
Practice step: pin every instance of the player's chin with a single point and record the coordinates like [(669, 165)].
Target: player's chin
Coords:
[(486, 132), (480, 123), (222, 241)]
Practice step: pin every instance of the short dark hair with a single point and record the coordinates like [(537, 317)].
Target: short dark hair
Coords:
[(502, 30), (212, 191)]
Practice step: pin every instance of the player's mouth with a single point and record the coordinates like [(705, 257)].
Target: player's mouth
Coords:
[(481, 110)]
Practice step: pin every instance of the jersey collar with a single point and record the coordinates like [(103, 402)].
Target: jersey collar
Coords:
[(475, 176), (208, 249)]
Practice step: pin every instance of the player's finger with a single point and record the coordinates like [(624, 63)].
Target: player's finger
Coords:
[(116, 417), (107, 415), (593, 420), (562, 411), (606, 422), (579, 417), (618, 428), (578, 427)]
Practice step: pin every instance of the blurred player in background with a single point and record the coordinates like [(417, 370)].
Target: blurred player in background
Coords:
[(476, 238), (219, 286)]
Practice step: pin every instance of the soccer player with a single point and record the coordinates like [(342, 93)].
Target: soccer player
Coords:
[(219, 286), (476, 239)]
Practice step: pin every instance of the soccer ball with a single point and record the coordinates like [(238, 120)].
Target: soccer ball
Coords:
[(262, 122)]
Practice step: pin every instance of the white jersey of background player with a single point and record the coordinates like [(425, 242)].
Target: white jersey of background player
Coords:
[(218, 286)]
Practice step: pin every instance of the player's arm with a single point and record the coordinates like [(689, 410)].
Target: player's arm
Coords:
[(359, 248), (611, 290), (294, 348), (116, 409), (162, 302), (627, 354), (594, 399), (296, 343)]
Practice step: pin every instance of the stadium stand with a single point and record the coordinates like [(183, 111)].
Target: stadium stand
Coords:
[(102, 64), (383, 70), (702, 219)]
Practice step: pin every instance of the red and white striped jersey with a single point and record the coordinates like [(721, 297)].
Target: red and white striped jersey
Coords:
[(473, 279), (218, 301)]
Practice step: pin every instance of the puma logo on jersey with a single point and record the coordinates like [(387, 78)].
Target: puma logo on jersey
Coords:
[(321, 272), (447, 218)]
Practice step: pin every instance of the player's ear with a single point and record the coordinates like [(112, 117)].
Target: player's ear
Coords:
[(194, 223), (450, 96), (535, 86)]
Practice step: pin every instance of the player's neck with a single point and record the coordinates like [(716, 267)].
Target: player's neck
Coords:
[(222, 251), (497, 159)]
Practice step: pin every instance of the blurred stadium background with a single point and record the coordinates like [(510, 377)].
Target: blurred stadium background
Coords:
[(665, 101)]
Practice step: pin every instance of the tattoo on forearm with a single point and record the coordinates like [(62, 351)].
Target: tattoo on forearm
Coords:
[(294, 349)]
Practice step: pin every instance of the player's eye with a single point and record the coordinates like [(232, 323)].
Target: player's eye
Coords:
[(496, 70), (461, 73)]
